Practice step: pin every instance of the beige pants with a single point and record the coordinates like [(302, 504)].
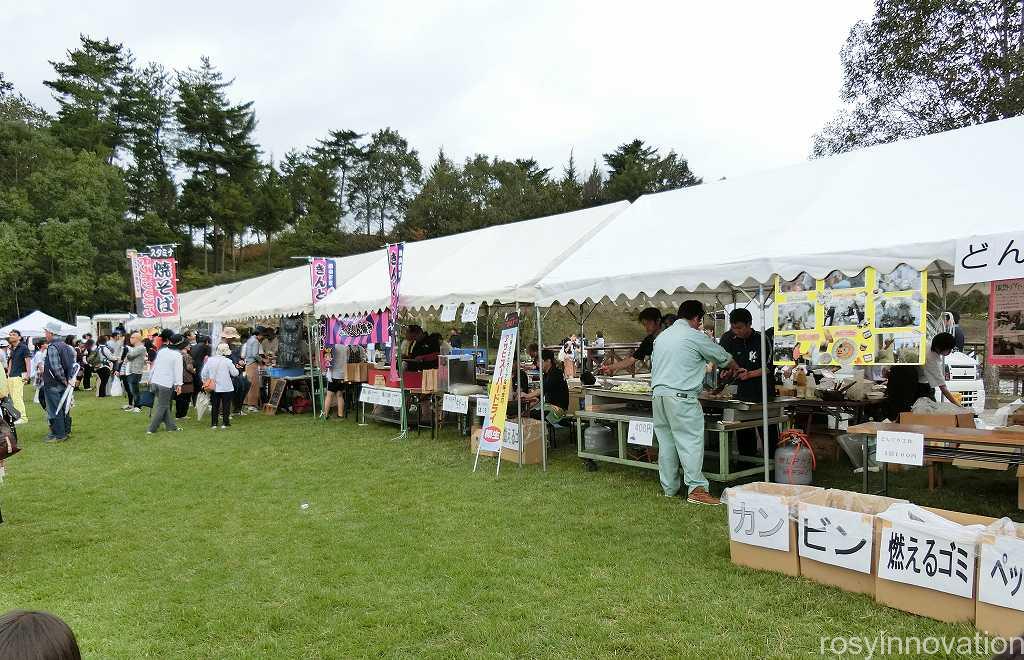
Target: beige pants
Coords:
[(16, 386), (252, 372)]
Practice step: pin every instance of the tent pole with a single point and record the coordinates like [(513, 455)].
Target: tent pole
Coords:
[(764, 384), (543, 426)]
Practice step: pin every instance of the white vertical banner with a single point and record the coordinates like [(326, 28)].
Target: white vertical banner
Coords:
[(501, 385)]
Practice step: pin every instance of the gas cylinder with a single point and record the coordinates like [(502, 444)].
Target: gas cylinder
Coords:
[(794, 459), (599, 439)]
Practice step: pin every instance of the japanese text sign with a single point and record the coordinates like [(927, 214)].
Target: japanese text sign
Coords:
[(640, 433), (369, 395), (510, 438), (156, 285), (1006, 323), (927, 558), (757, 519), (470, 312), (455, 403), (900, 447), (1002, 572), (370, 328), (501, 385), (395, 252), (835, 536), (989, 258), (448, 312), (323, 277)]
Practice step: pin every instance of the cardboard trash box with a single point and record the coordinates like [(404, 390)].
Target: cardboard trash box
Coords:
[(999, 611), (531, 442), (825, 550), (904, 549), (357, 372), (762, 525)]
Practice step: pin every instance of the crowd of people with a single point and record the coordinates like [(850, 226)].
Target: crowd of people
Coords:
[(162, 370)]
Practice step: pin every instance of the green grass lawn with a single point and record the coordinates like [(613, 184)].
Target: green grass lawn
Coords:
[(194, 545)]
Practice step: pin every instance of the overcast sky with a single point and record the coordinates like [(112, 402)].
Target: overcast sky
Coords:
[(735, 87)]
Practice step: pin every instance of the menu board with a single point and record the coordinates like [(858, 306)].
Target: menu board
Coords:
[(863, 319), (290, 338), (1006, 323)]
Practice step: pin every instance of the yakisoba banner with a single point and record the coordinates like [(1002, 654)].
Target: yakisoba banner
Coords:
[(863, 319)]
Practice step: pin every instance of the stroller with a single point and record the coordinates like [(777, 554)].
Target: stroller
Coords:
[(8, 435)]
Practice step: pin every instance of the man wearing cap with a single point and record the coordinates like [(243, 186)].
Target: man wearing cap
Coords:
[(58, 375), (166, 378), (251, 352), (18, 372), (680, 358)]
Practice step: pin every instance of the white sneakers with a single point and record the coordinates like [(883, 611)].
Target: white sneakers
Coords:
[(126, 407), (135, 410)]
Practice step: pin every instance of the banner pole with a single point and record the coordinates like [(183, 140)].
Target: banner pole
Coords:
[(764, 385), (543, 426)]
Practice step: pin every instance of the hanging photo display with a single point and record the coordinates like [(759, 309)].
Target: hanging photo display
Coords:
[(1006, 323), (863, 319)]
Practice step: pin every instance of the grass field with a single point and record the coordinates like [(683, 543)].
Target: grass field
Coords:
[(194, 545)]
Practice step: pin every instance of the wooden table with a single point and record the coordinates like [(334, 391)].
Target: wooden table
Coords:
[(957, 436)]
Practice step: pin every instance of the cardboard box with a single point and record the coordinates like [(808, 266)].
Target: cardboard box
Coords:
[(380, 377), (962, 420), (766, 559), (929, 602), (530, 444), (837, 576), (357, 373)]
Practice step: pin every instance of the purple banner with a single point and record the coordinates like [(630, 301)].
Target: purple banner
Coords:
[(322, 276), (358, 330), (395, 274)]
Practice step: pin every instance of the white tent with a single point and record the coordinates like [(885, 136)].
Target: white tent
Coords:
[(495, 264), (902, 202), (287, 292), (33, 324)]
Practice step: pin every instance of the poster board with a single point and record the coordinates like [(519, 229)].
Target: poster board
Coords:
[(1006, 323), (864, 319)]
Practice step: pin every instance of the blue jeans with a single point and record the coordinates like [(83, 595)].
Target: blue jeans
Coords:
[(131, 382), (60, 422)]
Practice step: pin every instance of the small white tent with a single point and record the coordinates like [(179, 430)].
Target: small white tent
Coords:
[(33, 326)]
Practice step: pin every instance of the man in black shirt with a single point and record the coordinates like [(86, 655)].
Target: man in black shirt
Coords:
[(743, 343), (650, 318), (556, 391)]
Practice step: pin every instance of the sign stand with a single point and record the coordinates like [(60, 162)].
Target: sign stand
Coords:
[(494, 425)]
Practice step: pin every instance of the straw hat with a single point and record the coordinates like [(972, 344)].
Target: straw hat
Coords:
[(228, 332), (223, 349)]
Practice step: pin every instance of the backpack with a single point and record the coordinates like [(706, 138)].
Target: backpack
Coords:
[(93, 359)]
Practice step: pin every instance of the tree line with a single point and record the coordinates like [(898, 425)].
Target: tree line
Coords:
[(138, 155)]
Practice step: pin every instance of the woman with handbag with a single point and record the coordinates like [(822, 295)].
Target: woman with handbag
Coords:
[(184, 397), (217, 375)]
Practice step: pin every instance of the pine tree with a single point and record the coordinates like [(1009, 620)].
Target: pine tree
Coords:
[(87, 89)]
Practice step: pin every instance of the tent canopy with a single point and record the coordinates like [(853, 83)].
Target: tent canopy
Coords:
[(287, 292), (905, 202), (33, 324), (496, 264)]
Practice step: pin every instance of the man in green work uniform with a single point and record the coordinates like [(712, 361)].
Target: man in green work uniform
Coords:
[(681, 355)]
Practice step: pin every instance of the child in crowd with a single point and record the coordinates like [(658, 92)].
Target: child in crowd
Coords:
[(36, 636)]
